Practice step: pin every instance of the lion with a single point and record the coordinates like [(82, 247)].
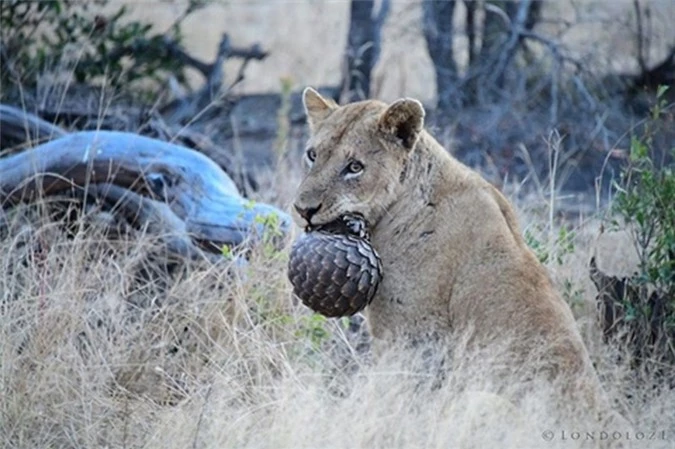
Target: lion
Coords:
[(454, 260)]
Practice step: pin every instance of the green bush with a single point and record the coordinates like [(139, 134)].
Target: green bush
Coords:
[(643, 305), (645, 204), (55, 35)]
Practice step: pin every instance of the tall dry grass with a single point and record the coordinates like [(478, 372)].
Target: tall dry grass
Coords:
[(101, 348)]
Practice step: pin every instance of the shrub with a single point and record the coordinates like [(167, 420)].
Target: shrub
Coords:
[(67, 34), (644, 204), (641, 308)]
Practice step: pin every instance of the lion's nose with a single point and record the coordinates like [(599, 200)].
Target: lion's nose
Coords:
[(307, 213)]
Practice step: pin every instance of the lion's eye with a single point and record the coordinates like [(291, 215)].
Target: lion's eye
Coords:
[(355, 167), (311, 154)]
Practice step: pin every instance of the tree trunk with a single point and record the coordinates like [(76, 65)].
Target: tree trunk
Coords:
[(487, 73), (438, 28), (363, 47), (471, 7)]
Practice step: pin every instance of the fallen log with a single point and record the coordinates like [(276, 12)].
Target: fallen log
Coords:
[(147, 180), (16, 127)]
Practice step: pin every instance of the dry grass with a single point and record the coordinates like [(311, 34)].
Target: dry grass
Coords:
[(100, 350)]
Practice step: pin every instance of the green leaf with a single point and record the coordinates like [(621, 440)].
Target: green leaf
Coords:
[(661, 91)]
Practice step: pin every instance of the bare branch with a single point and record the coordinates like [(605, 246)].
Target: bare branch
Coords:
[(174, 50), (509, 50), (471, 30), (194, 107), (640, 36), (438, 33), (554, 47)]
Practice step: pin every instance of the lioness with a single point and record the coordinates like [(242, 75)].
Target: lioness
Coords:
[(453, 257)]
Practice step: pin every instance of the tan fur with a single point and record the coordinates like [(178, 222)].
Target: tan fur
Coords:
[(453, 256)]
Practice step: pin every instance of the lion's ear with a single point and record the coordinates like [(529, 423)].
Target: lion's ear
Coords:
[(404, 120), (317, 107)]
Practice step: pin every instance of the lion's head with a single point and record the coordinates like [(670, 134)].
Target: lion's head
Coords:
[(356, 157)]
